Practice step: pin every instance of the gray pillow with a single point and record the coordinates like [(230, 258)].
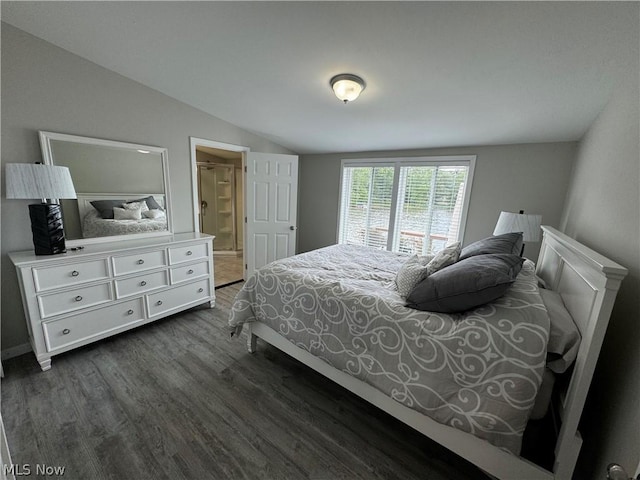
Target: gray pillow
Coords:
[(466, 284), (505, 243), (150, 201), (418, 267), (105, 207)]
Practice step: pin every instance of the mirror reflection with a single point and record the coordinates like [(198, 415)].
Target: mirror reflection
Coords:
[(121, 187)]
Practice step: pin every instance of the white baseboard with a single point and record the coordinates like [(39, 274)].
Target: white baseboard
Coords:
[(15, 351)]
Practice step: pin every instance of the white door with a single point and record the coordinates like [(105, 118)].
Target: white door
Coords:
[(272, 199)]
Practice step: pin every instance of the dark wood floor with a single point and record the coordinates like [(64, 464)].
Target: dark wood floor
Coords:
[(179, 399)]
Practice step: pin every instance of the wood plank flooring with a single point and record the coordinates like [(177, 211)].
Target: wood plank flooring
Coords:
[(179, 399)]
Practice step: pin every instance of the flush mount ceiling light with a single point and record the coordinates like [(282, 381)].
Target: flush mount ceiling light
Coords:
[(347, 87)]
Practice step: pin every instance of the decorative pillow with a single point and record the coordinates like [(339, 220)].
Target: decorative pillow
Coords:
[(564, 336), (126, 214), (505, 243), (153, 213), (150, 201), (445, 257), (466, 284), (105, 207), (410, 273), (142, 205)]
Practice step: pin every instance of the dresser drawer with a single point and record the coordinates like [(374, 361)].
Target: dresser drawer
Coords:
[(142, 283), (62, 302), (187, 254), (139, 262), (46, 278), (70, 330), (189, 272), (184, 295)]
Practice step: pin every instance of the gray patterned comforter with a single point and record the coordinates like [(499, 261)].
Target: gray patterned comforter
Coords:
[(95, 226), (478, 371)]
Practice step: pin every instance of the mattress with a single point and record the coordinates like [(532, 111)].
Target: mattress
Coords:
[(477, 371)]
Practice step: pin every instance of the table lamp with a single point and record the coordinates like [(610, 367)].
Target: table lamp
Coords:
[(528, 224), (47, 182)]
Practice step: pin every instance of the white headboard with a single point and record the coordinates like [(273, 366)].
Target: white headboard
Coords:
[(85, 199), (588, 283)]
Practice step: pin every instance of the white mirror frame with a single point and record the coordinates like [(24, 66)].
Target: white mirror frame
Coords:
[(47, 156)]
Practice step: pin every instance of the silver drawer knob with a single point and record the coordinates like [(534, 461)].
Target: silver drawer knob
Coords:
[(159, 302), (143, 283), (200, 290), (189, 252), (129, 312), (75, 273), (66, 331), (189, 272), (140, 262), (78, 298)]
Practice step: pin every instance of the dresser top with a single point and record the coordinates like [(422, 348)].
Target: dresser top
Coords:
[(28, 256)]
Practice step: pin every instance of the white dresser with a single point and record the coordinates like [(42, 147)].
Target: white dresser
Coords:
[(85, 295)]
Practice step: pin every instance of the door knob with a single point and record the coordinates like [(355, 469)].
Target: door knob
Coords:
[(292, 227)]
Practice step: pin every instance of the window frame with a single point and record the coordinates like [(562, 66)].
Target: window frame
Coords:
[(396, 162)]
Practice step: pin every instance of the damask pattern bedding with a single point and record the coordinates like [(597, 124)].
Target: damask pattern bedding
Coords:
[(478, 371), (95, 226)]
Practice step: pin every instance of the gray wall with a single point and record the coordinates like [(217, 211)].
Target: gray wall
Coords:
[(531, 177), (47, 88), (603, 212)]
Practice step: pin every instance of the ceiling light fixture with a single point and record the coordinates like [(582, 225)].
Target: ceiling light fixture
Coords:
[(347, 87)]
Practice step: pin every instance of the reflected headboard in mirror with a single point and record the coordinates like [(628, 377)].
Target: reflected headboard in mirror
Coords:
[(127, 171)]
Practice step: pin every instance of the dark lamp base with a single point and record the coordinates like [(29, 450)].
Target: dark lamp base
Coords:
[(46, 226)]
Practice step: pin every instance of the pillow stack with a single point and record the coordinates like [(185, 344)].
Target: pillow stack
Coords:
[(482, 273), (417, 268), (113, 209)]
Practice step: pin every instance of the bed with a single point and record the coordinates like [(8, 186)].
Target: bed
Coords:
[(94, 225), (467, 380)]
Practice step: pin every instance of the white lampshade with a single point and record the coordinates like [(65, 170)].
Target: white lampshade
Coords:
[(34, 180), (528, 224), (347, 87)]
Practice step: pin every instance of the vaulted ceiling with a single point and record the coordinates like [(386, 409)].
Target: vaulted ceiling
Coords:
[(437, 73)]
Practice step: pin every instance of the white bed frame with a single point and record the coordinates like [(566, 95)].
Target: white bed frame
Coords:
[(588, 284)]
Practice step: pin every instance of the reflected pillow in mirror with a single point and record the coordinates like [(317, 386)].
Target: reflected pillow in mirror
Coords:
[(151, 202), (105, 207), (126, 214), (142, 205), (154, 213)]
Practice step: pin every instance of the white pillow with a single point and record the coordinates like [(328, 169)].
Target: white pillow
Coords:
[(127, 214), (410, 274), (153, 213), (134, 205), (445, 257)]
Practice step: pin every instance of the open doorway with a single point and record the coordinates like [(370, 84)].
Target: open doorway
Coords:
[(219, 205)]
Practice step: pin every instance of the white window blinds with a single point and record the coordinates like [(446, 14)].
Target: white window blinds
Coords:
[(412, 208), (366, 205)]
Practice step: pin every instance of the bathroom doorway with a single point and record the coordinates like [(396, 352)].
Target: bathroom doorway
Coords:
[(220, 206)]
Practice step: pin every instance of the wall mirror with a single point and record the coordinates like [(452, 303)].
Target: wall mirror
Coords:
[(122, 188)]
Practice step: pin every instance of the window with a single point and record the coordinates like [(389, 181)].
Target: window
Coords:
[(404, 205)]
